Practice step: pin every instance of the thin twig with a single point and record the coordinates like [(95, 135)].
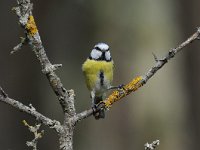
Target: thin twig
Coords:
[(37, 135), (31, 111), (171, 53), (19, 46), (152, 145)]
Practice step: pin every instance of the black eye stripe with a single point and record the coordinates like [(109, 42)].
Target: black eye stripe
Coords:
[(98, 49)]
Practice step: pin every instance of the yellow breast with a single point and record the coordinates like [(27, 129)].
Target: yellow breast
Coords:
[(92, 68)]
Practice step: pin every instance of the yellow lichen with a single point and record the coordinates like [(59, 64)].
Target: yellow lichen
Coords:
[(31, 26), (133, 85), (126, 89)]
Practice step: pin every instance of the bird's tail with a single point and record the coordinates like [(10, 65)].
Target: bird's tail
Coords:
[(101, 113)]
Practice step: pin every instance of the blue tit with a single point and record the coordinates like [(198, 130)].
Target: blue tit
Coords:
[(98, 73)]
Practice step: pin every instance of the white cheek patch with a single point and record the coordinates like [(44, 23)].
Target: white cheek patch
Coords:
[(107, 55), (95, 54)]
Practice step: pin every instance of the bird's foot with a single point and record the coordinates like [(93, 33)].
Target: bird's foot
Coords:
[(119, 87)]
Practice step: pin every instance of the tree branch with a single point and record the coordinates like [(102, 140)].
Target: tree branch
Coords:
[(138, 82), (26, 20), (65, 97), (31, 111), (171, 53), (152, 145), (37, 135), (83, 115)]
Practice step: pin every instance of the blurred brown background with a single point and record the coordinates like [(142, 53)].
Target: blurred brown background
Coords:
[(167, 108)]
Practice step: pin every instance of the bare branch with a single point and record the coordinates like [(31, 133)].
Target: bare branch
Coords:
[(172, 52), (31, 111), (152, 145), (155, 57), (37, 135), (2, 93), (19, 46), (83, 115)]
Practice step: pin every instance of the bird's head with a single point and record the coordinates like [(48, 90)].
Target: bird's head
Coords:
[(100, 52)]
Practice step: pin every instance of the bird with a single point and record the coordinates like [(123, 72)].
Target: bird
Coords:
[(98, 73)]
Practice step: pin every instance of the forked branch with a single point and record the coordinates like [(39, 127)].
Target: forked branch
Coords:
[(31, 111)]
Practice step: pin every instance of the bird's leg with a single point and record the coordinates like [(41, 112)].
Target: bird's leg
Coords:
[(94, 105), (92, 94)]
